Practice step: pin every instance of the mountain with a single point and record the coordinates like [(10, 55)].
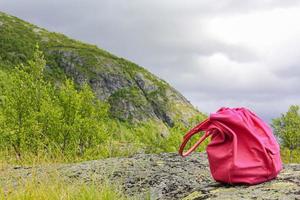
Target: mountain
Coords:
[(134, 94)]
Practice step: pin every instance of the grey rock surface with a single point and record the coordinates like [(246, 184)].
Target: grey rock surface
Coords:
[(169, 176)]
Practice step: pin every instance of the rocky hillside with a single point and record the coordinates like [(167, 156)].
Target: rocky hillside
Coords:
[(166, 176), (133, 93)]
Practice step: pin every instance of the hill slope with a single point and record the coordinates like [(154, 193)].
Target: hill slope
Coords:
[(134, 94)]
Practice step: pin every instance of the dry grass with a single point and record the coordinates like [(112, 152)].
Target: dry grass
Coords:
[(55, 189), (51, 186)]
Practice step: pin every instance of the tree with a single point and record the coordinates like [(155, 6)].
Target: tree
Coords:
[(21, 101), (92, 116), (83, 116), (287, 128), (38, 117), (69, 103)]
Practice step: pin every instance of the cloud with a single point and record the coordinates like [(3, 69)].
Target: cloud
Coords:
[(217, 53)]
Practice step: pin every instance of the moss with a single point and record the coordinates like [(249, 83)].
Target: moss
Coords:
[(194, 195)]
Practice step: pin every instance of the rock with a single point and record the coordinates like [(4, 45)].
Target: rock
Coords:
[(70, 62), (105, 84), (145, 84), (169, 176)]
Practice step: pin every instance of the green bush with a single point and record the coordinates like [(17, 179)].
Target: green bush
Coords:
[(39, 120), (289, 156), (37, 117), (287, 129)]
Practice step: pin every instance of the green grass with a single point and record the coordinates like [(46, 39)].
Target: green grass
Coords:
[(62, 191), (53, 187)]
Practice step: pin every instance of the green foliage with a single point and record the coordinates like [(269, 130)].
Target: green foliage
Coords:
[(287, 128), (149, 136), (83, 116), (41, 121), (290, 156), (22, 96), (176, 134), (43, 115), (16, 40), (37, 117)]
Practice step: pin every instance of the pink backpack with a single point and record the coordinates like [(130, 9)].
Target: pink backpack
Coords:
[(242, 147)]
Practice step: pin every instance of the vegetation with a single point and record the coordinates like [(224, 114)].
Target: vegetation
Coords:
[(36, 117), (287, 129), (41, 121), (108, 74), (46, 117), (53, 187)]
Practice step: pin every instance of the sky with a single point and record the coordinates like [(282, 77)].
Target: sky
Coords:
[(228, 53)]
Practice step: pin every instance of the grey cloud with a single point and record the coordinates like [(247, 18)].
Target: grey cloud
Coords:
[(265, 108), (292, 71)]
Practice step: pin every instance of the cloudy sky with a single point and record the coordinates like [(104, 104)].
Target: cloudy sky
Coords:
[(217, 53)]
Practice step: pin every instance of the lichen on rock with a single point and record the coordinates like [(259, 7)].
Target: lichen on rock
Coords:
[(168, 176)]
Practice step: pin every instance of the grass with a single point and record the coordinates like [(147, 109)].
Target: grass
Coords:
[(111, 148), (55, 188), (50, 184)]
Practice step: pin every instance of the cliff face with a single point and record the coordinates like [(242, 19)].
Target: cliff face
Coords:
[(167, 176), (133, 93)]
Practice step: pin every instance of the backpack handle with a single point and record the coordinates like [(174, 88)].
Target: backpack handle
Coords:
[(188, 136)]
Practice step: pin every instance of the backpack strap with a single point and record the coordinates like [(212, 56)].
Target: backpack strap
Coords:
[(188, 135)]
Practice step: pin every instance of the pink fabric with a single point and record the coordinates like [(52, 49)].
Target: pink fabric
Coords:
[(242, 147)]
